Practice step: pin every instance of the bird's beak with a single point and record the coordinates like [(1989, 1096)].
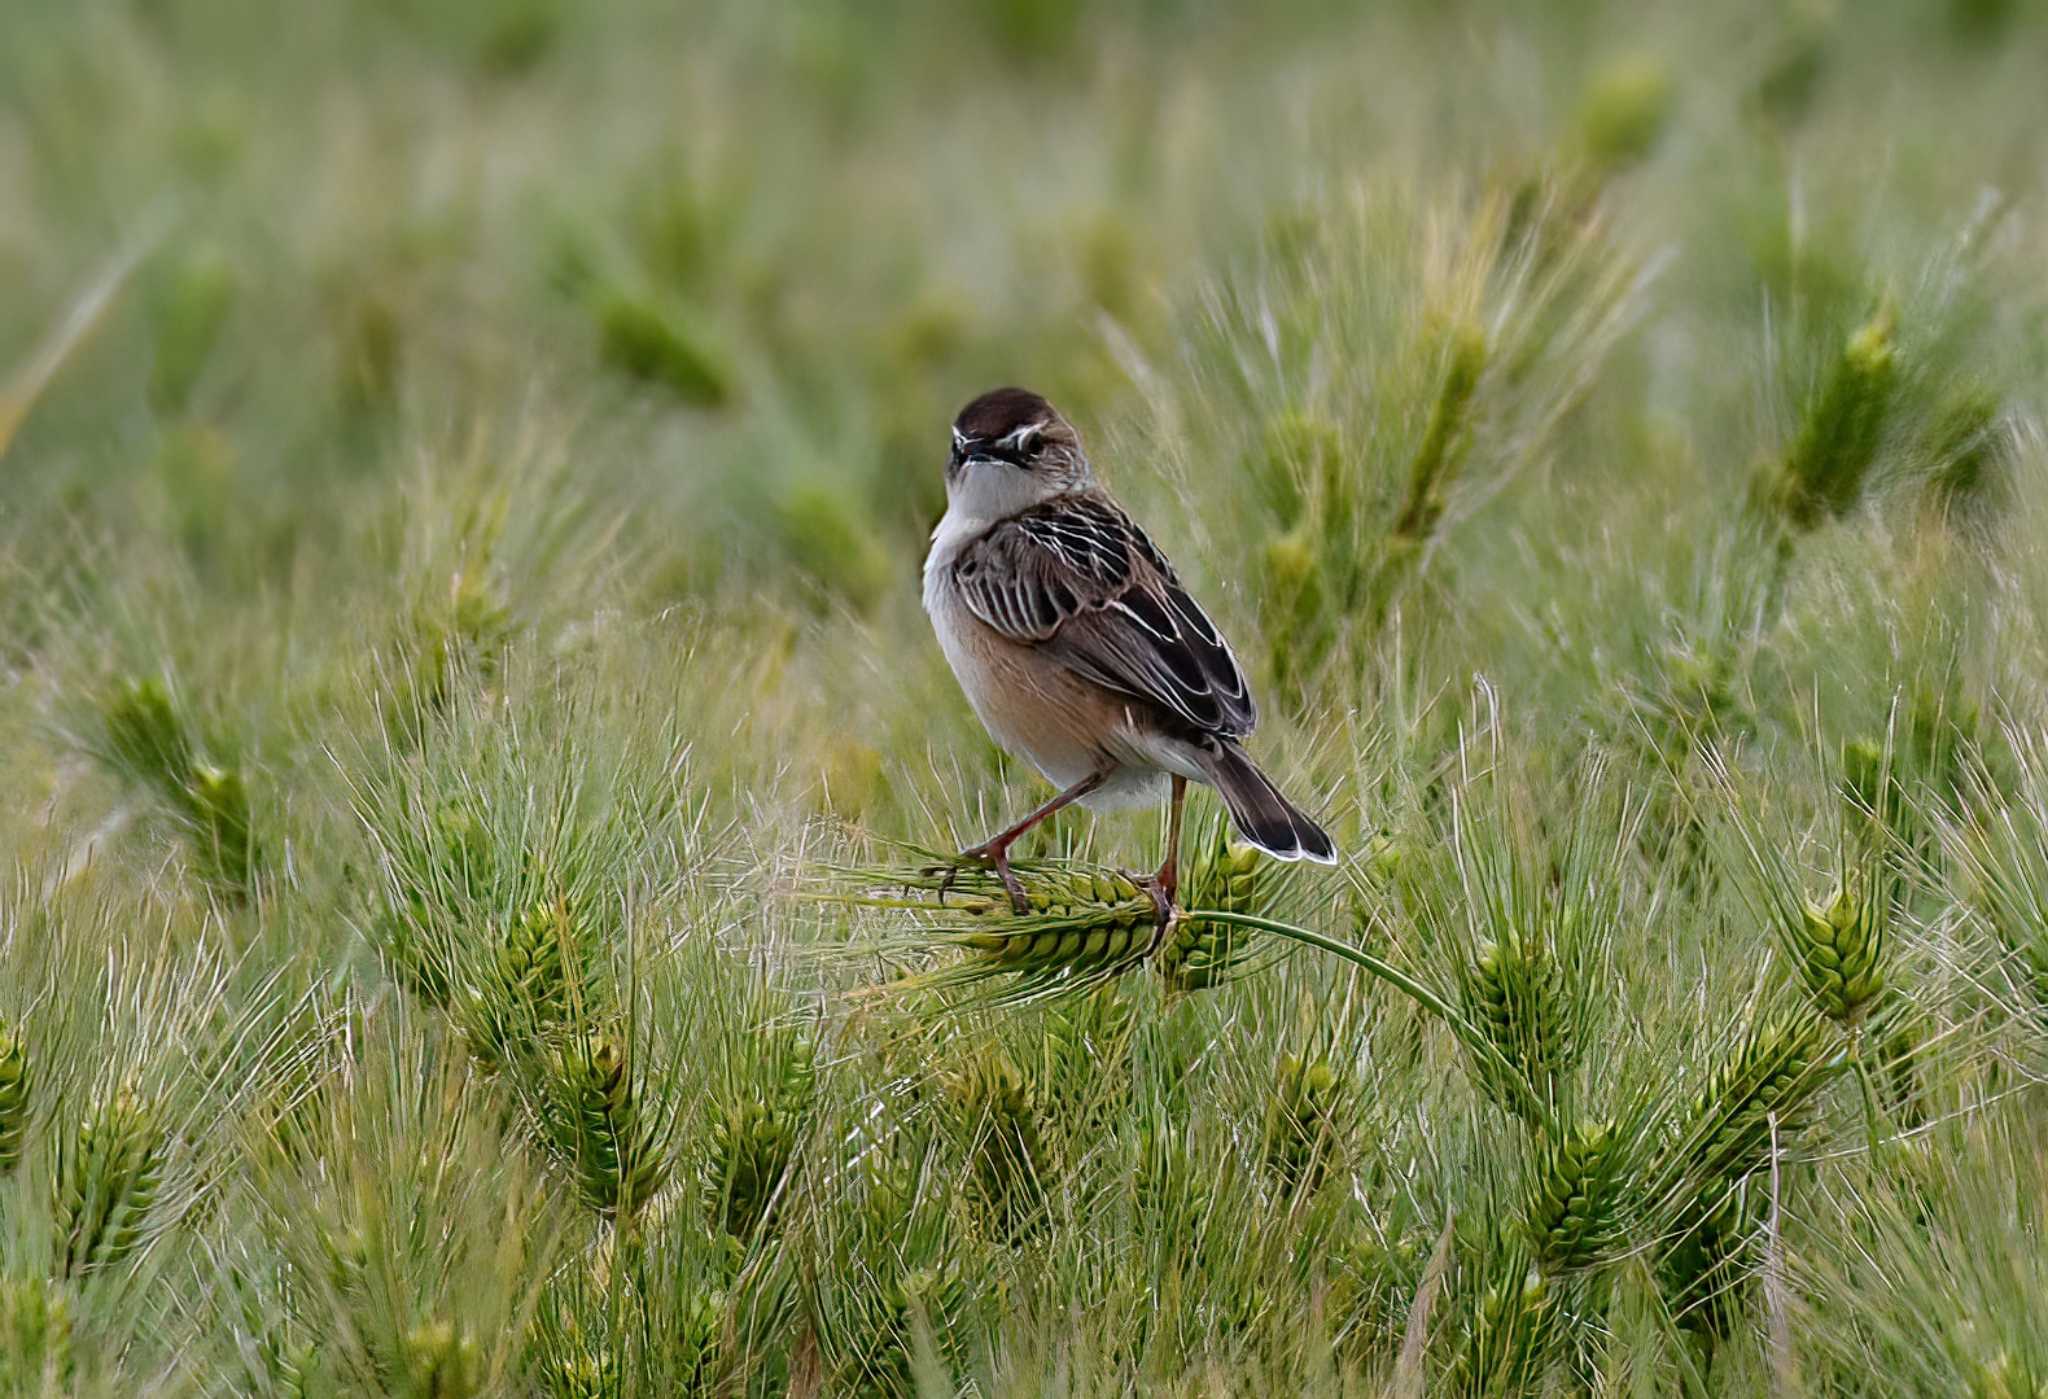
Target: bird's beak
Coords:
[(965, 457)]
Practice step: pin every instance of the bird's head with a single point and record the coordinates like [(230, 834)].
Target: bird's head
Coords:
[(1012, 449)]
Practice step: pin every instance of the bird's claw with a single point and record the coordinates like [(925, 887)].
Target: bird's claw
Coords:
[(1165, 892), (987, 858)]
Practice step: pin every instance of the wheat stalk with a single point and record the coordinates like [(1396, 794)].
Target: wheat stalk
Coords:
[(37, 1355), (1468, 1034), (1508, 1340)]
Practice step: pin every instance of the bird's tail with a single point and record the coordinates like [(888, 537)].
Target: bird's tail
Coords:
[(1264, 817)]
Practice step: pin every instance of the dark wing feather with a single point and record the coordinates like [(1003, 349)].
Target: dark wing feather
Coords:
[(1079, 579)]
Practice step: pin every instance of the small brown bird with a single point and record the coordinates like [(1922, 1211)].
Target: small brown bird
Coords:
[(1078, 647)]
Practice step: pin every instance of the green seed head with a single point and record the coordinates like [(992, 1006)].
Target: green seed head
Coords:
[(1510, 1338), (1840, 950), (1437, 457), (1573, 1215), (1227, 877), (1290, 560), (219, 802), (1725, 1129), (151, 743), (1515, 992), (108, 1176), (656, 343), (599, 1125), (998, 1111), (1193, 957), (1297, 453), (1080, 922), (463, 848), (1383, 858), (14, 1096), (1295, 602), (1863, 774), (532, 958), (750, 1150), (587, 1374), (1823, 474), (569, 1355), (1195, 954), (1624, 112), (1171, 1185), (442, 1363), (534, 978), (753, 1141), (146, 734), (1971, 451), (347, 1252), (1302, 1121), (882, 1363)]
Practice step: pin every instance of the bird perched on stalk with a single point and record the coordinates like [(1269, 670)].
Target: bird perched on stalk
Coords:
[(1079, 648)]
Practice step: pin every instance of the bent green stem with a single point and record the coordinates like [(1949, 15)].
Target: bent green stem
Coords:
[(1407, 985), (1871, 1115)]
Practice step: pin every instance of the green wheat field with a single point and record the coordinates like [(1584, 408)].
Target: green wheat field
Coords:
[(474, 761)]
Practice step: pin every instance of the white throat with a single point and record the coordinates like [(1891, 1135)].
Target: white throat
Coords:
[(977, 498)]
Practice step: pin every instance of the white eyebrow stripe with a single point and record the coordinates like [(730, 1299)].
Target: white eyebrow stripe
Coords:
[(1015, 438)]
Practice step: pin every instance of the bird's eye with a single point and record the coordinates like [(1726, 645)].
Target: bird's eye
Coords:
[(1027, 440)]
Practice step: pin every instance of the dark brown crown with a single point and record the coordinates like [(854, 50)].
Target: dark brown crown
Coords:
[(1000, 412)]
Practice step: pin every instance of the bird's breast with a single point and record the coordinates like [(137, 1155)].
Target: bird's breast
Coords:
[(1029, 703)]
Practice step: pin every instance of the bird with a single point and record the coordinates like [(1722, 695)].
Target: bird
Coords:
[(1080, 650)]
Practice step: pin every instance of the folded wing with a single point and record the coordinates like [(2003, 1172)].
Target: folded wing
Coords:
[(1077, 578)]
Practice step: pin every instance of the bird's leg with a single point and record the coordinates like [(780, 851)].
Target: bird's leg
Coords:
[(996, 849), (1165, 885)]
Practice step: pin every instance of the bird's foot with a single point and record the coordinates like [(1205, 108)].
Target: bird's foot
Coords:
[(988, 855), (1164, 888)]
